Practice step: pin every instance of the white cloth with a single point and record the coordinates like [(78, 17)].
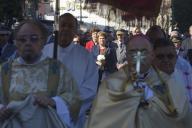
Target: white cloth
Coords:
[(84, 70), (27, 115), (62, 110), (184, 66), (148, 92)]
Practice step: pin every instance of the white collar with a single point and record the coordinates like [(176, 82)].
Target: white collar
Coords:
[(66, 49), (20, 60)]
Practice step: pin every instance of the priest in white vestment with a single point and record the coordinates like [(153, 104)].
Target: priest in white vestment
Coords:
[(79, 62)]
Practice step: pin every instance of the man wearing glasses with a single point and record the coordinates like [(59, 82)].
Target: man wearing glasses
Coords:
[(144, 98), (165, 60), (36, 91), (165, 55), (120, 47)]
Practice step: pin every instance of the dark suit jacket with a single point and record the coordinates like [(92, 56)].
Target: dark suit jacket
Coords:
[(121, 53), (110, 58)]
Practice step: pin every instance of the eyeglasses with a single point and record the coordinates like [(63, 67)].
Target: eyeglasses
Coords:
[(32, 38), (168, 56)]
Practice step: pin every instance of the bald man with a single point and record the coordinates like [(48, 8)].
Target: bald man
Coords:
[(150, 99)]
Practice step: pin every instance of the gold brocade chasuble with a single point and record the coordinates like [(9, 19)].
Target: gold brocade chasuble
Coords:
[(26, 80), (117, 104)]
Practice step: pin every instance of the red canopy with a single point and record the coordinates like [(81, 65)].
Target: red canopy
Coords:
[(134, 8)]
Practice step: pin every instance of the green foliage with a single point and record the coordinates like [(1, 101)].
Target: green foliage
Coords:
[(182, 13)]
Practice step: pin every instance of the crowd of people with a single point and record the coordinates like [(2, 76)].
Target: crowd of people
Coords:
[(121, 80)]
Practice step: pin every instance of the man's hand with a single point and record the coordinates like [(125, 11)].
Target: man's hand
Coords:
[(5, 113), (44, 101)]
